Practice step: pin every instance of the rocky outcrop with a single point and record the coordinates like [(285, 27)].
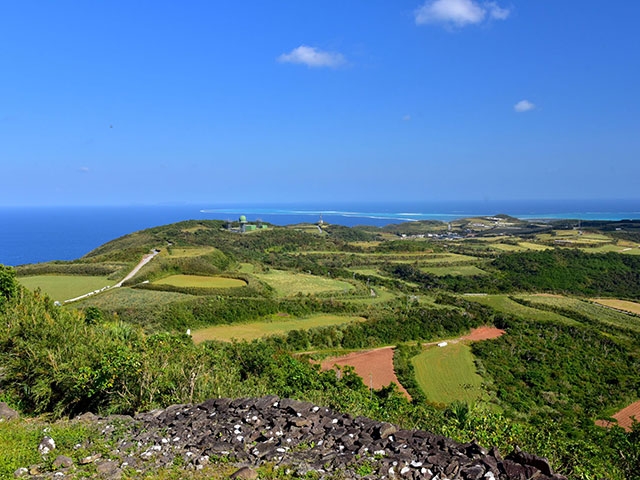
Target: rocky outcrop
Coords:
[(300, 437), (304, 437)]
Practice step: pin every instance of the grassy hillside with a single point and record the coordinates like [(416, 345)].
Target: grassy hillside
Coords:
[(564, 362)]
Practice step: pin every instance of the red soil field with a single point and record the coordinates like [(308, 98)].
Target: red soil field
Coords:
[(375, 367), (483, 333), (623, 417)]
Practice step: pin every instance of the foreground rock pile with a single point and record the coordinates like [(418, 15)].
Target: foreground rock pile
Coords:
[(302, 437)]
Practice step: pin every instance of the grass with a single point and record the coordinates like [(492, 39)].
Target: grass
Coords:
[(447, 374), (180, 252), (595, 312), (130, 298), (64, 287), (626, 250), (19, 440), (446, 258), (289, 283), (200, 281), (503, 303), (460, 270), (632, 307), (246, 268), (271, 326)]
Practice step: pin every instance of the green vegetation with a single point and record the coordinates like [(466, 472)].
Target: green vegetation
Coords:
[(270, 326), (631, 307), (288, 283), (199, 281), (448, 374), (564, 362), (65, 287), (507, 305), (464, 270)]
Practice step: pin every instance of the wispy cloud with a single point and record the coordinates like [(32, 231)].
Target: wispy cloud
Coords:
[(313, 57), (459, 13), (406, 118), (84, 169), (524, 106)]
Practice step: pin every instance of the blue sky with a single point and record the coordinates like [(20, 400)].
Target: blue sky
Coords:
[(122, 103)]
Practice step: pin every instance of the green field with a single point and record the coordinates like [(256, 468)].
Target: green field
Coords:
[(65, 287), (632, 307), (272, 326), (447, 374), (446, 258), (520, 247), (503, 303), (597, 313), (461, 270), (613, 248), (289, 283), (130, 298), (176, 252), (200, 281)]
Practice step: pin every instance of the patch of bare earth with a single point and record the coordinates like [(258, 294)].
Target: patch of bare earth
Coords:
[(483, 333), (624, 417), (375, 367)]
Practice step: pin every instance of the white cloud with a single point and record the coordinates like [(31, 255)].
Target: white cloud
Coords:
[(523, 106), (497, 12), (84, 169), (406, 118), (312, 57), (459, 13)]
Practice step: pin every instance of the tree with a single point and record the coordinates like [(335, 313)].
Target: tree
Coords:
[(8, 283)]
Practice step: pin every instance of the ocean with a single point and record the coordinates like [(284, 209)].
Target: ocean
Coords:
[(40, 234)]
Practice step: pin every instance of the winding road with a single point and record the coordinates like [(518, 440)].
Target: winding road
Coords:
[(145, 259)]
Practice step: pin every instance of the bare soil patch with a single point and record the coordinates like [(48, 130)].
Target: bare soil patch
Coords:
[(375, 367), (624, 417), (483, 333)]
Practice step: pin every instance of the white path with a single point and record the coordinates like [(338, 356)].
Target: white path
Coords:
[(145, 259)]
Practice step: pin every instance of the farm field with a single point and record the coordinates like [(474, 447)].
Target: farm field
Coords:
[(200, 281), (448, 374), (253, 330), (504, 304), (613, 248), (619, 304), (447, 258), (64, 287), (289, 283), (124, 297), (375, 367), (178, 252), (519, 247), (595, 312), (624, 417), (460, 270)]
